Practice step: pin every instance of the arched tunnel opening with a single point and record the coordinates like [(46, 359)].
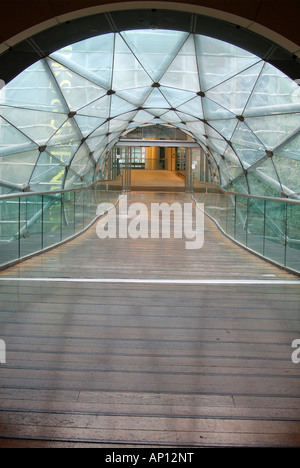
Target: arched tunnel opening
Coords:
[(149, 235)]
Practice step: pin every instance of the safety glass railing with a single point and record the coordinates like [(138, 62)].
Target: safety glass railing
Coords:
[(33, 222), (267, 227)]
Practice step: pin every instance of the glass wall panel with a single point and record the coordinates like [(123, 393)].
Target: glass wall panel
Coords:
[(77, 91), (32, 210), (127, 71), (219, 60), (68, 213), (52, 221), (275, 231), (72, 106), (241, 222), (274, 92), (256, 225), (147, 47), (38, 126), (184, 60), (272, 130), (12, 141), (225, 94), (293, 237), (92, 58), (291, 148), (17, 168), (48, 174), (9, 229), (288, 171), (193, 108), (34, 89)]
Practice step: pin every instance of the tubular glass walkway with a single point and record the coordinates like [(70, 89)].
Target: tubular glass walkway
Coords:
[(140, 341)]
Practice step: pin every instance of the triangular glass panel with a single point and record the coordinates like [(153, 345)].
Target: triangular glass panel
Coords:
[(231, 169), (64, 153), (259, 187), (147, 46), (185, 117), (98, 154), (231, 156), (224, 175), (13, 141), (95, 142), (288, 171), (119, 106), (248, 155), (192, 107), (37, 125), (99, 108), (212, 133), (219, 60), (132, 126), (219, 145), (88, 124), (73, 180), (196, 127), (290, 149), (36, 89), (112, 137), (91, 58), (176, 97), (143, 117), (102, 130), (213, 111), (128, 116), (81, 159), (78, 91), (135, 96), (170, 117), (117, 125), (128, 72), (157, 112), (216, 156), (67, 133), (183, 71), (156, 99), (272, 130), (245, 137), (266, 167), (234, 93), (240, 185), (224, 127), (274, 93), (17, 168), (48, 174)]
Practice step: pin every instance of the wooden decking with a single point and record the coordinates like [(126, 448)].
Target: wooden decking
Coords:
[(103, 364), (147, 180)]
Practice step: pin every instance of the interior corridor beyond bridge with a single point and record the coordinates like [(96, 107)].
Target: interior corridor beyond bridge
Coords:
[(142, 342)]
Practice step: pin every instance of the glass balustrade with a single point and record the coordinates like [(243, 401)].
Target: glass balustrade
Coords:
[(268, 227), (34, 222)]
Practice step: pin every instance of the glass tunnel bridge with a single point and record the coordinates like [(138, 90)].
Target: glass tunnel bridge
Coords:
[(140, 341)]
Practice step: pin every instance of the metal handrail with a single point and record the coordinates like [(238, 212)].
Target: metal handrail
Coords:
[(56, 192), (256, 197), (207, 184)]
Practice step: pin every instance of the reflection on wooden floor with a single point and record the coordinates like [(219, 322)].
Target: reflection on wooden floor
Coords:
[(195, 365)]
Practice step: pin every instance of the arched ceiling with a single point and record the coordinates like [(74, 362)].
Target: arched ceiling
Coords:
[(275, 20), (60, 117), (32, 29)]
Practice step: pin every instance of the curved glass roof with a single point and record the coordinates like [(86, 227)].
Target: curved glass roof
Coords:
[(61, 116)]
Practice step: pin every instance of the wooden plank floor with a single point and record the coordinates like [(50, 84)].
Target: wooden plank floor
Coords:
[(156, 180), (104, 364)]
